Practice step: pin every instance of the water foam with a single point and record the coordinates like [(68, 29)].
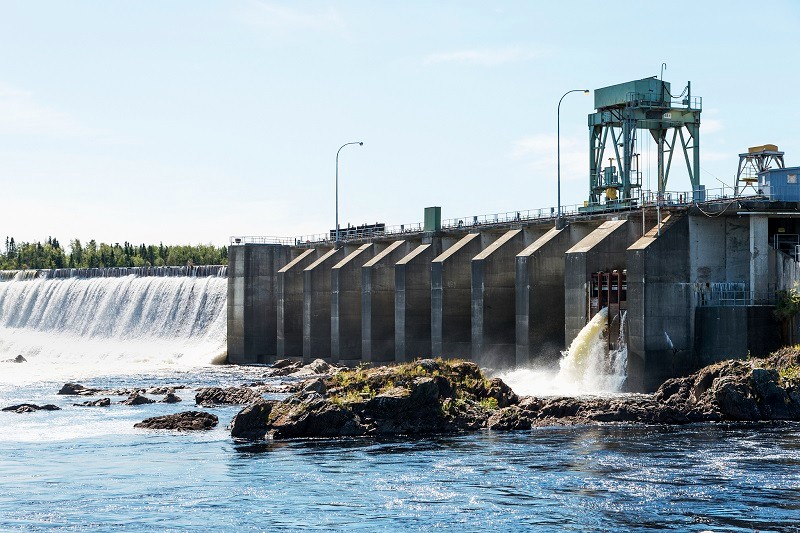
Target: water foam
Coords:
[(110, 325), (585, 368)]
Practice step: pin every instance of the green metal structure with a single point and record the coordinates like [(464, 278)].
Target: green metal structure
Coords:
[(622, 110)]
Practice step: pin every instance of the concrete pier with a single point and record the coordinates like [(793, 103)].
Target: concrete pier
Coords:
[(451, 297), (317, 306), (659, 320), (290, 303), (412, 302), (252, 321), (493, 326), (604, 249), (378, 303), (346, 305), (539, 288)]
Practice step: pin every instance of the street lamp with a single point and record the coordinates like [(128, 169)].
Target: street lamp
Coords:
[(360, 143), (558, 217)]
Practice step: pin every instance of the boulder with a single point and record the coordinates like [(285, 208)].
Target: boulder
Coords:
[(171, 397), (317, 367), (251, 422), (184, 421), (76, 389), (30, 408), (102, 402), (137, 399), (210, 396), (17, 359), (314, 385)]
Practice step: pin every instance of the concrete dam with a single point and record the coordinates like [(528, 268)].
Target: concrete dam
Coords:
[(694, 276)]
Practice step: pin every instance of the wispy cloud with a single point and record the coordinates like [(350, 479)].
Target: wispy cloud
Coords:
[(284, 19), (486, 57), (22, 114)]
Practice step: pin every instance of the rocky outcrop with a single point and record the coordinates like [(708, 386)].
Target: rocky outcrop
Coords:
[(102, 402), (185, 421), (17, 359), (171, 397), (210, 396), (30, 408), (425, 397), (76, 389)]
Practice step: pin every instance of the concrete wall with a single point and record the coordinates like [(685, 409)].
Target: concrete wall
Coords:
[(493, 331), (734, 332), (378, 303), (539, 287), (346, 305), (451, 297), (719, 249), (413, 302), (252, 314), (317, 306), (660, 306), (290, 303), (604, 249)]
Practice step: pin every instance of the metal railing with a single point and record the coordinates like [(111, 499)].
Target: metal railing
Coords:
[(642, 198)]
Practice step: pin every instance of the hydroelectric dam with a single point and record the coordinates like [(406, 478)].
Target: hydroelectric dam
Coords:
[(688, 278)]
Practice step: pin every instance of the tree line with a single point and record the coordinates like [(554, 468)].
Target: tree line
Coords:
[(50, 254)]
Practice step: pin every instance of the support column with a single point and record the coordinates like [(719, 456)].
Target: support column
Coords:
[(451, 298), (317, 306), (346, 305), (290, 303), (378, 303), (493, 333), (412, 303)]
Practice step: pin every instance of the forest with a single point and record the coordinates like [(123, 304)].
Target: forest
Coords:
[(51, 254)]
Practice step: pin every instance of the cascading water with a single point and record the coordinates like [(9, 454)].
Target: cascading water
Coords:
[(585, 368), (111, 324)]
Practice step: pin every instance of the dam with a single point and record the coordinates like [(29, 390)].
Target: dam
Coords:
[(695, 275)]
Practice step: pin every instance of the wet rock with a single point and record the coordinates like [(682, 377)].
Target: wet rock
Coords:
[(17, 359), (225, 396), (282, 367), (184, 421), (102, 402), (171, 397), (137, 399), (76, 389), (251, 422), (158, 391), (30, 408), (509, 418)]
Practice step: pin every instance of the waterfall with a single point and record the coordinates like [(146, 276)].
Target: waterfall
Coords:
[(115, 322), (587, 367)]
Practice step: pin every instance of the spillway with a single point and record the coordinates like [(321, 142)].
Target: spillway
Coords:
[(113, 322)]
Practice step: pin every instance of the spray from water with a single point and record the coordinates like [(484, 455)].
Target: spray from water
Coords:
[(587, 367)]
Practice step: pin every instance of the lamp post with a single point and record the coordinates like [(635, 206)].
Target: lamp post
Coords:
[(360, 143), (558, 149)]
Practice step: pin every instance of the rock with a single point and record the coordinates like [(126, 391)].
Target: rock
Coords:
[(76, 389), (228, 396), (315, 385), (502, 393), (158, 391), (773, 401), (171, 398), (509, 418), (102, 402), (733, 399), (137, 399), (184, 421), (17, 359), (30, 408), (317, 367), (251, 422), (282, 367)]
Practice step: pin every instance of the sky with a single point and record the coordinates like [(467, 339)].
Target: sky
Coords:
[(188, 122)]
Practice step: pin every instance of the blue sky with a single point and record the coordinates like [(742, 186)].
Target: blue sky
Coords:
[(190, 121)]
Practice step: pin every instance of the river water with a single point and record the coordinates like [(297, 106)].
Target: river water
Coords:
[(88, 468)]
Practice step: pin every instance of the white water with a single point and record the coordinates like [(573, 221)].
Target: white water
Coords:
[(585, 368), (99, 326)]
